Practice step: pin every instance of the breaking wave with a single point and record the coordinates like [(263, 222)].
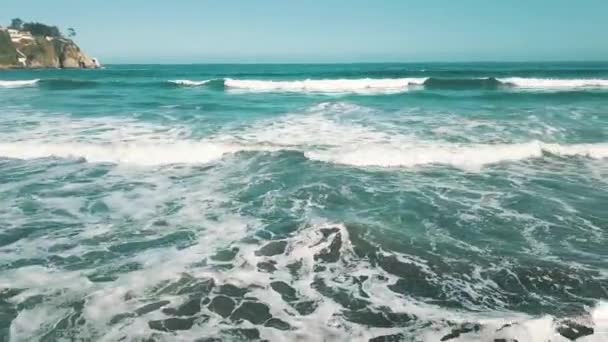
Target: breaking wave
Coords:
[(470, 157), (323, 133), (357, 86), (365, 85), (189, 83), (460, 156), (396, 85), (18, 84), (133, 153), (52, 84), (547, 83)]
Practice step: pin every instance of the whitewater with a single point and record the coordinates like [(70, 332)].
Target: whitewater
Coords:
[(366, 85), (356, 202)]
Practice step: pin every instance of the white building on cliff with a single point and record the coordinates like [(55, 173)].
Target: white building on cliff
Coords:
[(17, 35)]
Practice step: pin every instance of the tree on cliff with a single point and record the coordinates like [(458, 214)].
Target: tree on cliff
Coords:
[(16, 24), (71, 32), (38, 29)]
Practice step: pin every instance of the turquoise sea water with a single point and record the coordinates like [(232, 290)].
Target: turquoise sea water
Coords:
[(425, 202)]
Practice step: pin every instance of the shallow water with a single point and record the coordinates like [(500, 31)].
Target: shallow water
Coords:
[(460, 202)]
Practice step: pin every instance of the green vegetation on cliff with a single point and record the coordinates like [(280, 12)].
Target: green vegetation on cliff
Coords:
[(36, 29), (8, 53)]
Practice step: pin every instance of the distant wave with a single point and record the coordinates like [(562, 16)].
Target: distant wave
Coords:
[(463, 83), (364, 85), (396, 85), (357, 86), (18, 84), (547, 83), (189, 83), (59, 83)]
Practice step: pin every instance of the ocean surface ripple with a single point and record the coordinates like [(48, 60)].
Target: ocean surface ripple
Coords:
[(360, 202)]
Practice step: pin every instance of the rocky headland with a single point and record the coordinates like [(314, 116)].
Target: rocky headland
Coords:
[(35, 45)]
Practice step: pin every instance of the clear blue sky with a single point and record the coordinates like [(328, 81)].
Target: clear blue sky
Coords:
[(190, 31)]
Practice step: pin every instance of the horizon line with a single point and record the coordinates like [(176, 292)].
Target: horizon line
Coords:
[(347, 63)]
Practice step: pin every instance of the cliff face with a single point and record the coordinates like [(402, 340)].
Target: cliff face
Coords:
[(41, 52), (71, 56)]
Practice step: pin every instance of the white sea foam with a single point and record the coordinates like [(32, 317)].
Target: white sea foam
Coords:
[(328, 132), (189, 83), (547, 83), (335, 140), (18, 84), (462, 156), (167, 200), (319, 138), (595, 151), (183, 152), (599, 315), (395, 85), (365, 85), (469, 157)]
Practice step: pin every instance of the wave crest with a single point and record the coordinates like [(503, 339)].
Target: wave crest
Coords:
[(469, 157), (185, 152), (189, 83), (18, 84), (365, 85), (396, 85), (547, 83), (361, 86)]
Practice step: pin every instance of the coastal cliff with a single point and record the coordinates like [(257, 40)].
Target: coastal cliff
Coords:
[(24, 50), (8, 52)]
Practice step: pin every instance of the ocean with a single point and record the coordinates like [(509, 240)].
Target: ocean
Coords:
[(344, 202)]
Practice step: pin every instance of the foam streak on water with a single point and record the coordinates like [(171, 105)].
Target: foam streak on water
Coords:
[(305, 202)]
